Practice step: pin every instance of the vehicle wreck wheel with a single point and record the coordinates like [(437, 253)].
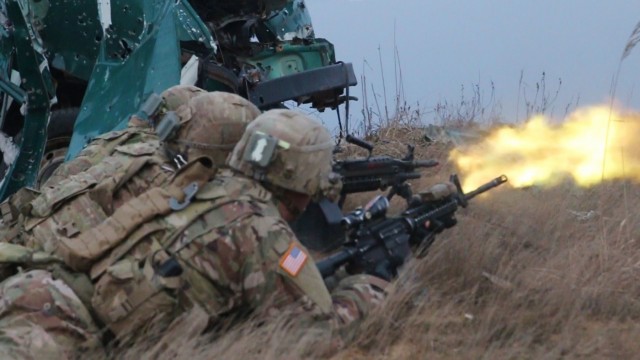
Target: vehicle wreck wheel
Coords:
[(59, 134)]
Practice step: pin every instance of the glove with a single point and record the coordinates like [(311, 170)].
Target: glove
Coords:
[(438, 192), (445, 223)]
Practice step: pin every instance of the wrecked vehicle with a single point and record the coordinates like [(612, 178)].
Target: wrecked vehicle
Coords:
[(71, 70)]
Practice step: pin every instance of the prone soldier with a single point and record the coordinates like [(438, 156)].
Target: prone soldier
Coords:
[(225, 249), (70, 226), (141, 128), (231, 250)]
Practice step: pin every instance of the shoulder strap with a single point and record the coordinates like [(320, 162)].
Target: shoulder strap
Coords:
[(91, 244)]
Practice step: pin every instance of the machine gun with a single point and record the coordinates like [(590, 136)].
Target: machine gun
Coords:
[(379, 173), (318, 228), (379, 245)]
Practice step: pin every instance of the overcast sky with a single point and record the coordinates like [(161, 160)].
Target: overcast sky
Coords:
[(446, 44)]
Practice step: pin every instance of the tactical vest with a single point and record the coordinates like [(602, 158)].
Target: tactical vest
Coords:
[(60, 215), (18, 206), (152, 272), (99, 148)]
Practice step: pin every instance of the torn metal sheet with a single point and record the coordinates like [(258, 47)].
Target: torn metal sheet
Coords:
[(104, 10), (102, 59)]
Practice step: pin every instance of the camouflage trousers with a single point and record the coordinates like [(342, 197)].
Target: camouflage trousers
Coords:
[(42, 318)]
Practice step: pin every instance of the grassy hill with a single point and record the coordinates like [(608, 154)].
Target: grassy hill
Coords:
[(527, 273)]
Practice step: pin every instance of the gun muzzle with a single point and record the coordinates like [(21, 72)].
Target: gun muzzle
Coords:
[(426, 163), (488, 186)]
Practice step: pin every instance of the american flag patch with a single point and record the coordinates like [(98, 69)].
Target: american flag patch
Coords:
[(293, 260)]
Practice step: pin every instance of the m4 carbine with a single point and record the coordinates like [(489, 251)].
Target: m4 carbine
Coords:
[(379, 245), (318, 227), (379, 172)]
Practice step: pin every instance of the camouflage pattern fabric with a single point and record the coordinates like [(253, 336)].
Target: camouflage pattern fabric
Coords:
[(178, 95), (61, 214), (356, 295), (98, 149), (228, 252), (301, 160), (41, 318), (85, 200), (221, 120), (231, 253)]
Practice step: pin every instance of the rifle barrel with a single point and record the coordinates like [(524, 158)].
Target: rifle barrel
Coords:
[(486, 187), (425, 163), (359, 142)]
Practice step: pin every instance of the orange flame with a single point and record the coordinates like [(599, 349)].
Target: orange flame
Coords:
[(539, 153)]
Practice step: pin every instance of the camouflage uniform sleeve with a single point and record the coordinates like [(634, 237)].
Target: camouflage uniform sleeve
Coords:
[(262, 262), (242, 261), (42, 318), (355, 297)]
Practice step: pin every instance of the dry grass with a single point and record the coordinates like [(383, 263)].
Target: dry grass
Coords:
[(526, 273)]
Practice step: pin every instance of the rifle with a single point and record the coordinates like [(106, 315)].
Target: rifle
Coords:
[(379, 245), (318, 228), (379, 172)]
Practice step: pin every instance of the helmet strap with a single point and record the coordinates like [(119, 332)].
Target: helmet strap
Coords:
[(284, 197)]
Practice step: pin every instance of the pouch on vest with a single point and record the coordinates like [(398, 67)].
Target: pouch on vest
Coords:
[(21, 255), (61, 231), (104, 145), (52, 198), (81, 249), (197, 288), (18, 203), (130, 295), (54, 232), (99, 148)]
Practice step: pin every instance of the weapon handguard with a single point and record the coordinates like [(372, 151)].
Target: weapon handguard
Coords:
[(378, 245)]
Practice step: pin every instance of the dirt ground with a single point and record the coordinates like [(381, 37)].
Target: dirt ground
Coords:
[(526, 274)]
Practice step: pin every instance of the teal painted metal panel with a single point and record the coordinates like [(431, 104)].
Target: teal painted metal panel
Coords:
[(72, 33), (290, 58), (118, 87), (36, 82)]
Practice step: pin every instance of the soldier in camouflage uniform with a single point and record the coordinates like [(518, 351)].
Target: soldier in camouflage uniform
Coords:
[(141, 129), (71, 226), (42, 318), (231, 250), (205, 128)]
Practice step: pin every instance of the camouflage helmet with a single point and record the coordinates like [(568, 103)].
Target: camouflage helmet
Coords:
[(157, 105), (209, 125), (179, 95), (289, 150)]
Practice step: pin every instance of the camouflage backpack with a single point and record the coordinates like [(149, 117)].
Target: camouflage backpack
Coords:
[(78, 221), (60, 216)]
